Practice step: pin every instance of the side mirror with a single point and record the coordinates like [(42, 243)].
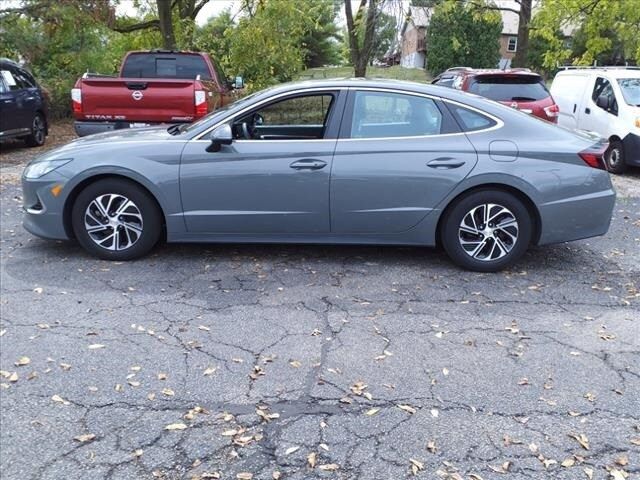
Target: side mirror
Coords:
[(604, 102), (238, 83), (220, 136)]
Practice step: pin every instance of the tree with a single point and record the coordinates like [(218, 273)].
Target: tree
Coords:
[(361, 32), (462, 34), (320, 43), (603, 23)]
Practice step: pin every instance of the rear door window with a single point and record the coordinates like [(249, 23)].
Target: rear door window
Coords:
[(157, 65), (510, 88), (387, 114)]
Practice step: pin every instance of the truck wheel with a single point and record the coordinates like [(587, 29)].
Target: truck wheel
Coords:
[(115, 219), (38, 132), (614, 157)]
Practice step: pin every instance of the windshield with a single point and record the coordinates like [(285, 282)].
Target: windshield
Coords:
[(504, 89), (190, 127), (630, 90)]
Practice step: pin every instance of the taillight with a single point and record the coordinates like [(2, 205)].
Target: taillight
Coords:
[(594, 157), (200, 100), (76, 100), (552, 111)]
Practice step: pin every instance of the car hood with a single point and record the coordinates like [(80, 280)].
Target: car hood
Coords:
[(69, 150)]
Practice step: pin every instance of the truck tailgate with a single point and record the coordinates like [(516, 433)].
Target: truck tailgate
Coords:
[(137, 99)]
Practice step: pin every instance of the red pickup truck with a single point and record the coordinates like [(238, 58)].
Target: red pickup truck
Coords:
[(153, 87)]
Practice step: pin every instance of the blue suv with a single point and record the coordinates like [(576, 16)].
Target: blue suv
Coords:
[(23, 106)]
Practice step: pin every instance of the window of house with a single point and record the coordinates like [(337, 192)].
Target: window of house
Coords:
[(512, 45), (386, 114)]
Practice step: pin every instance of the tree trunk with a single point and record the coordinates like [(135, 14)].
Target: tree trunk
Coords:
[(166, 24), (524, 19), (360, 54)]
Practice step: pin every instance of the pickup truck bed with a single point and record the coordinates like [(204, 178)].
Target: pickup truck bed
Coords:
[(103, 103)]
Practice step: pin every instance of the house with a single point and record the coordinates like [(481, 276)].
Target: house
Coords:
[(413, 36), (413, 46)]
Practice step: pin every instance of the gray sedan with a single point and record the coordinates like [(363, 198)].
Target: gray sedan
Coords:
[(335, 161)]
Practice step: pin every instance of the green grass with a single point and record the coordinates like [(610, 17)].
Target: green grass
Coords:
[(396, 72)]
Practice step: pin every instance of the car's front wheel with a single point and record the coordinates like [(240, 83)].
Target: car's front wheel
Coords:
[(614, 157), (115, 219), (487, 230), (38, 133)]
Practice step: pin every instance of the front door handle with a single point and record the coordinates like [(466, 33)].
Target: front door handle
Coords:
[(445, 163), (308, 164)]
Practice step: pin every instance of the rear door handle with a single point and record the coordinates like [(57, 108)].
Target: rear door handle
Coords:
[(308, 164), (445, 163)]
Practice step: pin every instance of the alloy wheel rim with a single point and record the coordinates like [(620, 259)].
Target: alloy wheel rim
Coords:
[(113, 222), (38, 129), (488, 232)]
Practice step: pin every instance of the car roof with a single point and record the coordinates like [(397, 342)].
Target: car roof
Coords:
[(9, 62), (610, 72)]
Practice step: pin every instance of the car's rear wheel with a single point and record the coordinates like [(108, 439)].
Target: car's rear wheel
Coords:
[(614, 157), (487, 230), (115, 219), (38, 133)]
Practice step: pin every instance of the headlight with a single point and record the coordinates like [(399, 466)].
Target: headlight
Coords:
[(38, 169)]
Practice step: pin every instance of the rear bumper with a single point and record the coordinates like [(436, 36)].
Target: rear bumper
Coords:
[(579, 217), (631, 145), (84, 128)]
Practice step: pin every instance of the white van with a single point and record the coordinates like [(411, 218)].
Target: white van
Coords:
[(604, 100)]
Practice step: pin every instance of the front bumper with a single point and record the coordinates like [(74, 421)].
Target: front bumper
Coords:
[(631, 144), (84, 128), (43, 211)]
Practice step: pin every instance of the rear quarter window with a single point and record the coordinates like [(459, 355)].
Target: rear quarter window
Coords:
[(471, 120)]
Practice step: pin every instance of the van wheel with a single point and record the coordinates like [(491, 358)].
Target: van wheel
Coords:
[(614, 157)]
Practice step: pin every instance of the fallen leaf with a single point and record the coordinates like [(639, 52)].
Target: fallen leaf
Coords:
[(329, 467), (372, 411), (291, 450), (407, 408), (588, 472), (210, 371), (568, 462), (137, 453), (22, 361), (618, 474), (38, 290), (176, 426), (87, 437), (202, 327), (168, 392), (59, 399), (311, 459), (435, 412), (244, 476), (581, 439), (96, 346), (431, 446), (162, 376), (295, 363), (416, 466)]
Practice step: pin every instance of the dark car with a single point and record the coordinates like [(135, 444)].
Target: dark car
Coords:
[(518, 88), (23, 105)]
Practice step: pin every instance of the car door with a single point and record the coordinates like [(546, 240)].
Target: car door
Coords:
[(398, 156), (599, 119), (12, 115), (274, 177)]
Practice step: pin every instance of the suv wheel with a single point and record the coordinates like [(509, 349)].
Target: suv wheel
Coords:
[(614, 157), (487, 230), (115, 219), (38, 132)]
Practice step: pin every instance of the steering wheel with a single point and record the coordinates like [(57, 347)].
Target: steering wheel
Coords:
[(245, 131)]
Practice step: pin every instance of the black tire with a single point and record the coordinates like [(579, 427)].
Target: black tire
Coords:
[(150, 225), (614, 157), (452, 236), (38, 134)]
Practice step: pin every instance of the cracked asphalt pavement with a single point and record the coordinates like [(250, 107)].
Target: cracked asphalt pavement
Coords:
[(304, 362)]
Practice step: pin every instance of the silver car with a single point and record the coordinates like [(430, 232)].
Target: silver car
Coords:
[(334, 161)]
